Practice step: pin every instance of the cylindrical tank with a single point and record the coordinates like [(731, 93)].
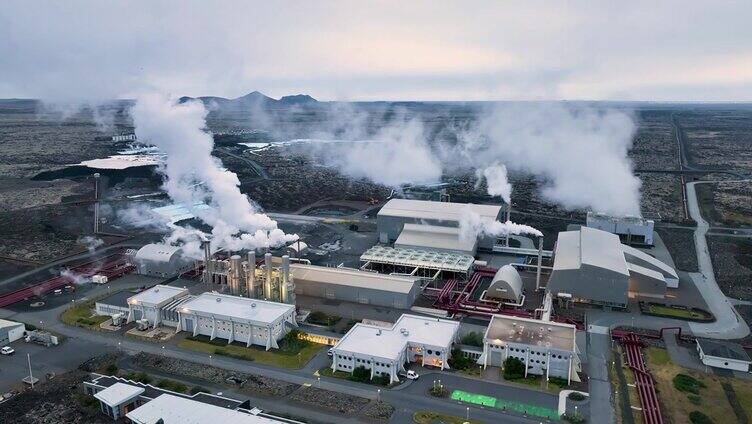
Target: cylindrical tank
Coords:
[(268, 280), (235, 272)]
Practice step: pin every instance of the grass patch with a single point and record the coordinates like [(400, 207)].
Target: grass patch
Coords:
[(658, 356), (172, 385), (680, 313), (82, 315), (290, 355), (322, 318), (428, 417), (141, 377), (679, 389), (376, 381), (743, 390)]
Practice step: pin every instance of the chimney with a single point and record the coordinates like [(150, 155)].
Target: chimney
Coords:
[(509, 218), (268, 270), (283, 291), (207, 262), (540, 258), (235, 273)]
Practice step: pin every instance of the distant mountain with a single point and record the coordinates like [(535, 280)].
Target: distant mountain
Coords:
[(251, 100)]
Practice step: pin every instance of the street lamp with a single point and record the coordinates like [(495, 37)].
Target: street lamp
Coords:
[(318, 382), (378, 395), (468, 413)]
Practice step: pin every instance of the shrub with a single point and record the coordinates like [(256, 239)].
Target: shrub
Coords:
[(381, 379), (361, 374), (697, 417), (174, 386), (694, 399), (140, 377), (322, 318), (575, 418), (438, 391), (576, 396), (687, 384), (472, 339), (458, 361), (514, 369), (561, 382), (111, 369)]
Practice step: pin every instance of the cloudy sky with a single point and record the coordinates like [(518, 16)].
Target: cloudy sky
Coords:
[(379, 50)]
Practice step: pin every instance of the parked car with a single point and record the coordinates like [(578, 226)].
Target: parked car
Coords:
[(7, 350), (330, 352), (410, 375)]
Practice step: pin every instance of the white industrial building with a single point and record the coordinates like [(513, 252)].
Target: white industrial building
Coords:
[(353, 285), (417, 262), (148, 304), (393, 216), (546, 348), (234, 318), (385, 351), (506, 287), (161, 260), (435, 237), (593, 266), (722, 354), (630, 229), (10, 331)]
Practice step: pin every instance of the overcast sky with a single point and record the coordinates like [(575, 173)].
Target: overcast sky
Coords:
[(380, 50)]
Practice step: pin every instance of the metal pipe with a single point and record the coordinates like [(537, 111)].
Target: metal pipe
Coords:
[(509, 218), (268, 280), (540, 258)]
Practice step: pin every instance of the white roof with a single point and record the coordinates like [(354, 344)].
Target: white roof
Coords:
[(352, 278), (236, 307), (158, 252), (157, 295), (173, 409), (589, 246), (506, 278), (531, 332), (388, 343), (435, 237), (178, 212), (430, 259), (7, 323), (442, 211), (665, 269), (118, 393)]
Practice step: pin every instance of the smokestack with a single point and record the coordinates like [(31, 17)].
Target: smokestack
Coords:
[(207, 262), (252, 259), (540, 258), (268, 280), (284, 293), (509, 218), (235, 274), (96, 203)]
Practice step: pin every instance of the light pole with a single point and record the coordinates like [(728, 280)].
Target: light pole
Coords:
[(467, 416), (318, 382), (210, 361), (378, 395), (31, 377)]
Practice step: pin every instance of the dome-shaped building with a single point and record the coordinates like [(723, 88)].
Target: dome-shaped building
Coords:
[(506, 286)]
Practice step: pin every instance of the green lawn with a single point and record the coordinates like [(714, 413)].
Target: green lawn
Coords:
[(82, 315), (658, 356), (492, 402), (328, 372), (676, 313), (427, 417), (276, 357)]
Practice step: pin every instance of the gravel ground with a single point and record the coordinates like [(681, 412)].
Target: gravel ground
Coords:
[(253, 383), (732, 264), (340, 402), (379, 410), (681, 245)]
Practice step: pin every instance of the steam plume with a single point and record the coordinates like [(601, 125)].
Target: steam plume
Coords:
[(472, 225), (496, 181)]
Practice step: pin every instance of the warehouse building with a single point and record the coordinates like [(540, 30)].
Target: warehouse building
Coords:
[(434, 237), (630, 229), (234, 318), (417, 263), (393, 216), (161, 260), (505, 287), (352, 285), (385, 351), (546, 348), (592, 266), (116, 303), (148, 304), (10, 331), (722, 354)]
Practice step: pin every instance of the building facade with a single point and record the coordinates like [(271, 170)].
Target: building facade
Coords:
[(148, 304)]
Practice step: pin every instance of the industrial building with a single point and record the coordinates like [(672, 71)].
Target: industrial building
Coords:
[(161, 260), (148, 304), (385, 351), (10, 331), (722, 354), (506, 287), (234, 318), (241, 277), (116, 303), (417, 263), (393, 216), (434, 237), (593, 266), (630, 229), (139, 403), (545, 347), (352, 285)]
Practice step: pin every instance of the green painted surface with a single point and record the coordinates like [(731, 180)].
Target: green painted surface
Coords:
[(519, 407)]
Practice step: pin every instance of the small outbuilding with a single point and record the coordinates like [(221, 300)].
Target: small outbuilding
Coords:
[(722, 354), (10, 331)]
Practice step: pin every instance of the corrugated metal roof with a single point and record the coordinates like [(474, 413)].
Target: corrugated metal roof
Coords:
[(435, 237), (260, 311), (157, 252), (591, 247), (442, 211), (353, 278)]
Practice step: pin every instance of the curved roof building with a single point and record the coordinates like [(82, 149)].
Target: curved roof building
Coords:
[(161, 260), (506, 285)]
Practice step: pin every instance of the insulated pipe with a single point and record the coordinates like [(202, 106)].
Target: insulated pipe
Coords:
[(509, 218), (540, 258), (251, 274)]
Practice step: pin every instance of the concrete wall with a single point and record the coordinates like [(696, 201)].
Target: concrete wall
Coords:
[(106, 309), (234, 331), (11, 333), (592, 284)]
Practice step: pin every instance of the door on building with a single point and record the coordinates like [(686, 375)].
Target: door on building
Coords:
[(137, 314), (189, 325)]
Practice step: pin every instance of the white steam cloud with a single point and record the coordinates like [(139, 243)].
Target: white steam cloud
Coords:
[(472, 225), (193, 175), (496, 181)]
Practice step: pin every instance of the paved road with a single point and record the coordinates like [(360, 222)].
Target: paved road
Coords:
[(598, 355)]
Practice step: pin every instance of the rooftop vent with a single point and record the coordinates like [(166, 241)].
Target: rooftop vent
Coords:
[(219, 299)]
